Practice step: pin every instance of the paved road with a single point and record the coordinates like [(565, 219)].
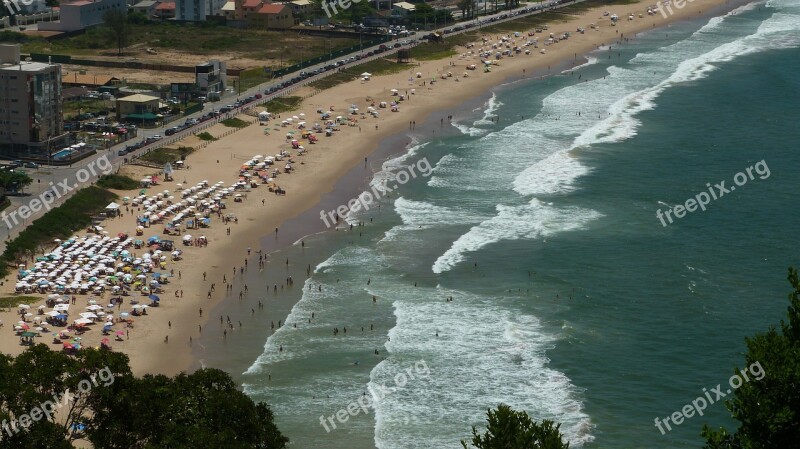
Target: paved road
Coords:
[(59, 175)]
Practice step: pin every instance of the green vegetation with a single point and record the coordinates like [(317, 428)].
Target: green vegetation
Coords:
[(355, 13), (381, 66), (510, 429), (425, 15), (252, 77), (72, 108), (203, 409), (118, 27), (12, 37), (434, 50), (202, 39), (767, 407), (283, 104), (235, 123), (61, 222), (205, 135), (117, 182), (14, 180), (164, 155), (10, 302)]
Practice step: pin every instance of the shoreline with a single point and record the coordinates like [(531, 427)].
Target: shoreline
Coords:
[(348, 186), (325, 172)]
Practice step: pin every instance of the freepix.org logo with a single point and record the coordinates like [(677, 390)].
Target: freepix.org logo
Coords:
[(15, 7)]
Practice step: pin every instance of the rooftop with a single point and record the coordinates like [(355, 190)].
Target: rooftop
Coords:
[(271, 9), (139, 98), (26, 67), (405, 5), (165, 6), (87, 80)]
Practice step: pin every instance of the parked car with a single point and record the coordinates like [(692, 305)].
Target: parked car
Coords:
[(31, 165)]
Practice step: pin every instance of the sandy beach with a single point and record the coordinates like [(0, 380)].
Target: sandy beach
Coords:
[(314, 174)]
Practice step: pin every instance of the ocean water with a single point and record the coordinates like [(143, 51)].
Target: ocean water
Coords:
[(571, 300)]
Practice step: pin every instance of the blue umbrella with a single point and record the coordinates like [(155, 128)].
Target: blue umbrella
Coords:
[(61, 316), (155, 298)]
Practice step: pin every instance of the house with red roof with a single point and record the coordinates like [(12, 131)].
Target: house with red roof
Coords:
[(264, 14), (165, 10)]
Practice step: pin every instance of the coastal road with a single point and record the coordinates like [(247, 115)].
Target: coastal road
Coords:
[(9, 228)]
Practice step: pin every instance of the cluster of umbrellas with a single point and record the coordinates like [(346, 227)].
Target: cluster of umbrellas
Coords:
[(299, 118), (197, 200), (259, 165), (94, 313), (90, 264)]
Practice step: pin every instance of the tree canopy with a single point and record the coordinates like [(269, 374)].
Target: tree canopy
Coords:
[(14, 180), (768, 409), (509, 429), (120, 411), (118, 27)]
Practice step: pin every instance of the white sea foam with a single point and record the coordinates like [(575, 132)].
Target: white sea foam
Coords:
[(531, 221), (418, 215), (484, 354), (590, 60), (625, 92)]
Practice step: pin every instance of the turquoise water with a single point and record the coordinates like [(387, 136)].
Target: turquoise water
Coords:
[(62, 154), (570, 299)]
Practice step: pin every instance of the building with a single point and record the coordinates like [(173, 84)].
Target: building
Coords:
[(271, 16), (81, 14), (402, 9), (165, 10), (229, 11), (138, 108), (146, 7), (30, 104), (301, 7), (210, 77), (75, 79), (197, 10)]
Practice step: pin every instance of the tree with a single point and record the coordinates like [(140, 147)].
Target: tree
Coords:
[(466, 7), (118, 27), (14, 180), (768, 408), (204, 409), (510, 429)]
